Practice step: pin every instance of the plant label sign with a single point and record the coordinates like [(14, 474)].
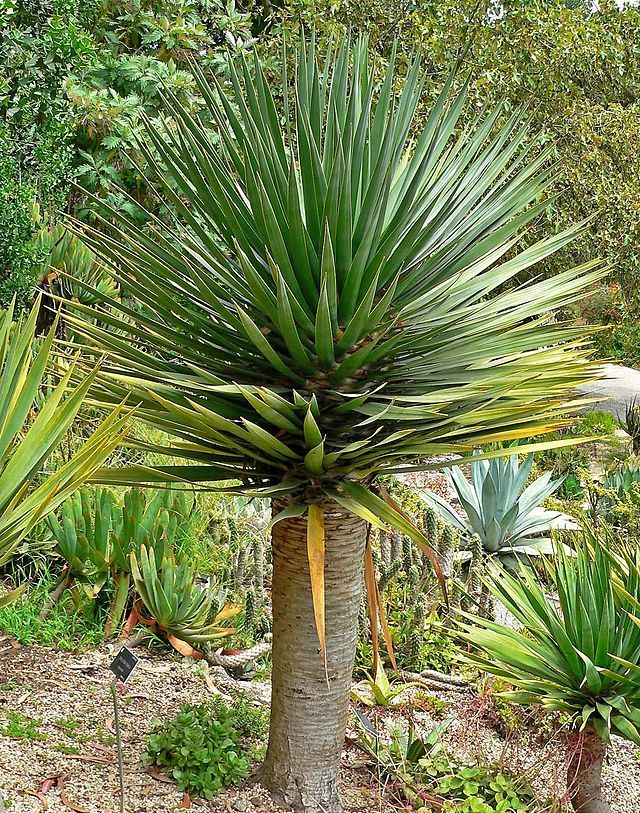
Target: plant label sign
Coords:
[(123, 664)]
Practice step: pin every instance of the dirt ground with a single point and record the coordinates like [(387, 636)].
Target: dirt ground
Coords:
[(69, 763)]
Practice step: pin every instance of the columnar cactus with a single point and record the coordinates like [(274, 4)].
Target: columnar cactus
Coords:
[(250, 611), (385, 547), (446, 550), (407, 554)]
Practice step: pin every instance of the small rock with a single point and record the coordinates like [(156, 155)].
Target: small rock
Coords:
[(241, 805), (257, 802)]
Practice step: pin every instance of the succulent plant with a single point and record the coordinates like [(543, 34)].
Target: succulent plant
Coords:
[(187, 613), (500, 509), (631, 424), (148, 518), (83, 537), (80, 275), (580, 658), (621, 481), (96, 535)]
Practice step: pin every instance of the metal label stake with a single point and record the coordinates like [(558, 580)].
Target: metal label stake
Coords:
[(122, 666)]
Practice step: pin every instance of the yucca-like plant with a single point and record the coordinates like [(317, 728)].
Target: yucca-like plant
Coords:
[(27, 439), (501, 509), (187, 613), (337, 298), (580, 658)]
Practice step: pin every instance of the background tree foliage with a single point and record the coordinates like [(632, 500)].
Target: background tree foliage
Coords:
[(578, 69), (78, 75)]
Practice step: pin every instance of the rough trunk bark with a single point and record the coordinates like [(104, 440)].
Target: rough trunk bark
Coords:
[(309, 717), (584, 773)]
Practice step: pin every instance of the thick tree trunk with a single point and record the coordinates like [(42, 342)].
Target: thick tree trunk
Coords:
[(309, 717), (584, 773)]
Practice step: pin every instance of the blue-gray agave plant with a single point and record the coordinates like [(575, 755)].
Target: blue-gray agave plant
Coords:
[(501, 509)]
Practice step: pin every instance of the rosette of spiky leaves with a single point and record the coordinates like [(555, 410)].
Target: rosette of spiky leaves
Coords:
[(339, 293), (631, 424), (180, 608), (27, 440), (500, 508), (83, 536), (622, 480), (146, 518), (581, 657)]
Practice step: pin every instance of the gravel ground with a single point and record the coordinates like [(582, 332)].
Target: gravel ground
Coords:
[(69, 696), (435, 481)]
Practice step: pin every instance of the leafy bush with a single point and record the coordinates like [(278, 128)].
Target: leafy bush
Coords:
[(204, 748), (40, 41), (420, 640), (423, 768), (77, 77), (20, 254), (597, 422)]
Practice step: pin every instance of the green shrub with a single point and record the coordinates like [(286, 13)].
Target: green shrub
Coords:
[(205, 748), (422, 768), (20, 254), (251, 722), (597, 422)]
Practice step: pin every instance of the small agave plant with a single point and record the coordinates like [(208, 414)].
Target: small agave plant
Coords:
[(146, 518), (579, 657), (501, 510)]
